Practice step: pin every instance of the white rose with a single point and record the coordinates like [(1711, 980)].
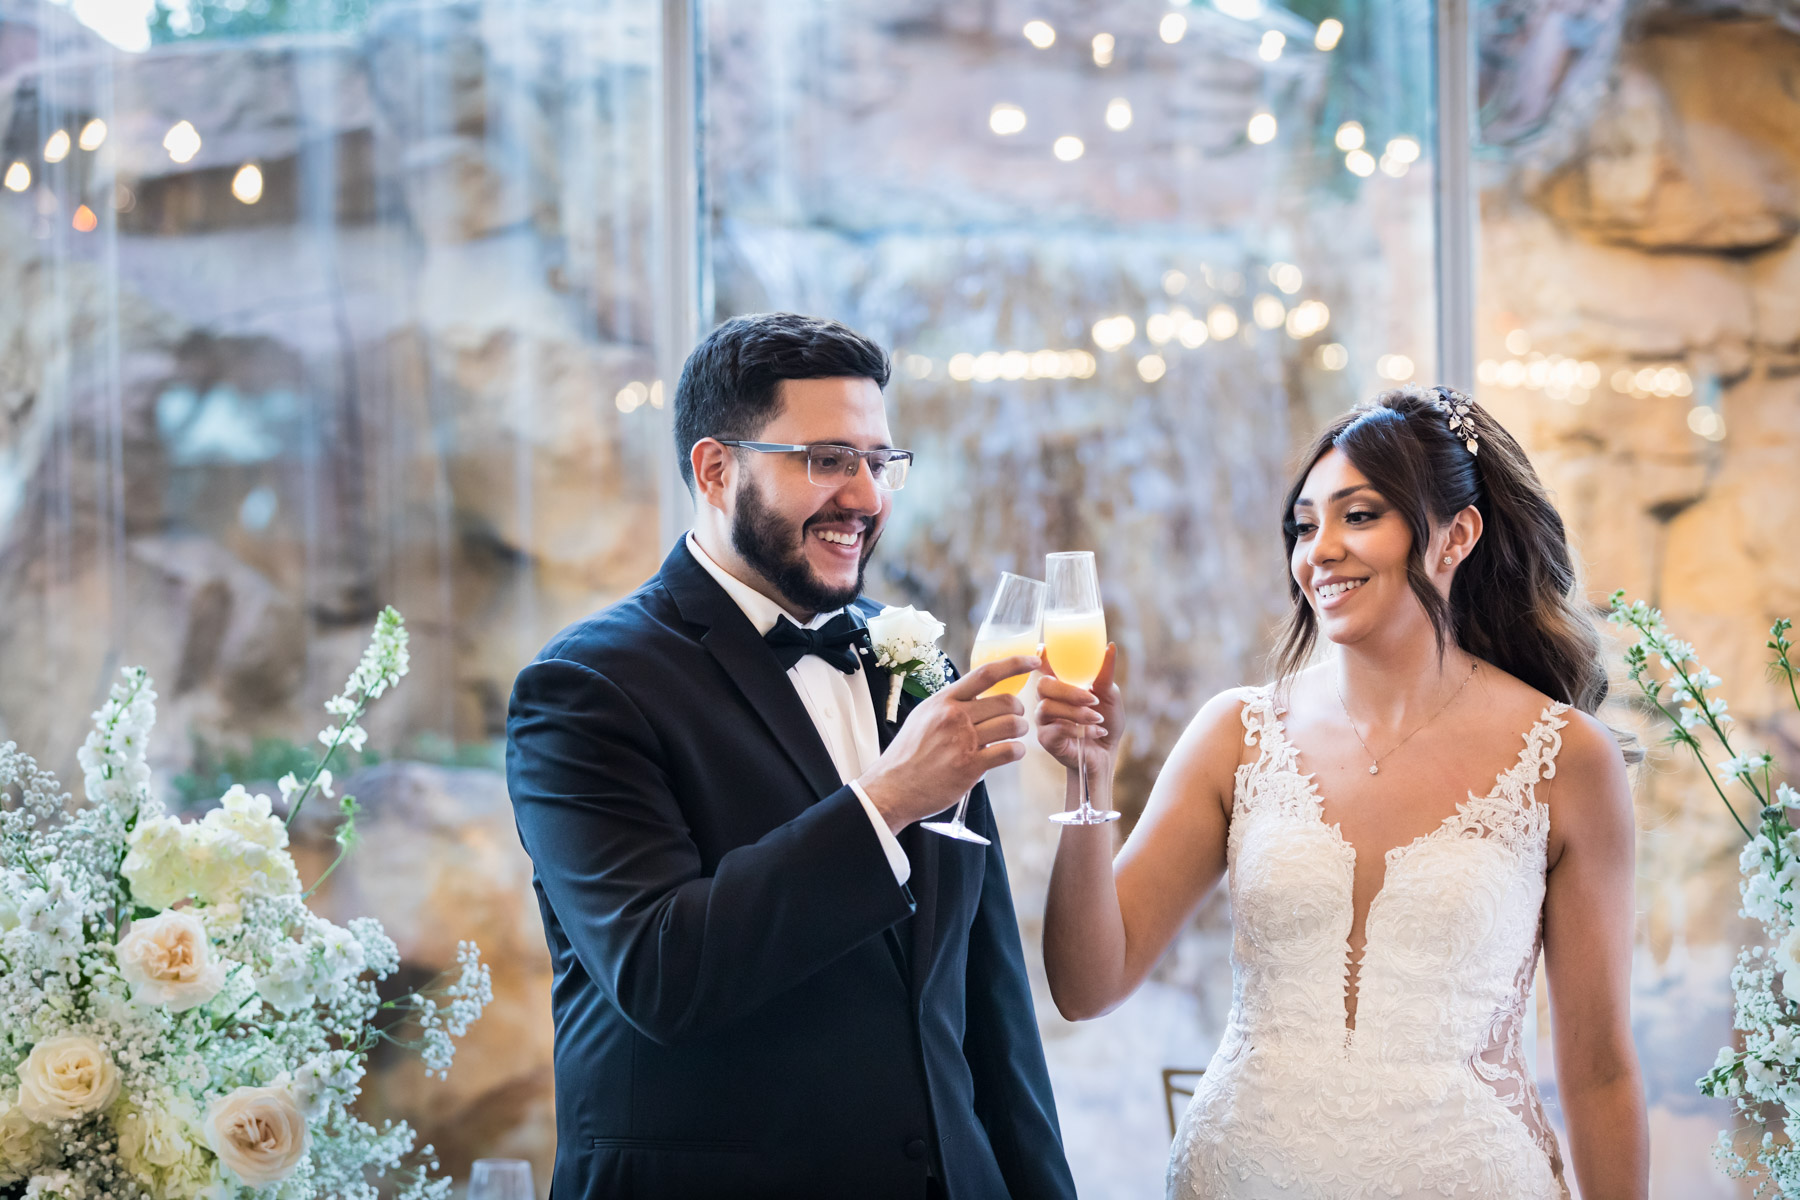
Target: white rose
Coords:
[(259, 1134), (908, 626), (161, 1146), (65, 1078), (168, 960), (24, 1144)]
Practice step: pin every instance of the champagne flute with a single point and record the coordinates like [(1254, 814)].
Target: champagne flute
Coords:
[(1012, 626), (501, 1179), (1075, 646)]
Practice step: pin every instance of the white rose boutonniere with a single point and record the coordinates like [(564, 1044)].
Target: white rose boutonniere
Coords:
[(905, 642)]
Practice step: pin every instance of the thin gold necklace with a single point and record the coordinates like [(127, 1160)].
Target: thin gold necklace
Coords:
[(1375, 759)]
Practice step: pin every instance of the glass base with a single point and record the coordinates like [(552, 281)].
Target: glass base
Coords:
[(957, 830), (1076, 816)]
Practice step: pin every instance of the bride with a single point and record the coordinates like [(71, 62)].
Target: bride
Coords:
[(1404, 824)]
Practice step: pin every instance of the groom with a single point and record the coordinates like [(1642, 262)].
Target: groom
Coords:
[(769, 981)]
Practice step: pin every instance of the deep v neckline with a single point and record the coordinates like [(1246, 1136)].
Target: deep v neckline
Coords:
[(1288, 759)]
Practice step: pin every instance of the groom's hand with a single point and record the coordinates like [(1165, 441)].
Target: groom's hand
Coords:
[(948, 743)]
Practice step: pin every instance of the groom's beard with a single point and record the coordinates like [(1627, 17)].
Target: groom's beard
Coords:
[(777, 551)]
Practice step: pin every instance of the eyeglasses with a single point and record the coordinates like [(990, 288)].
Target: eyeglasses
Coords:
[(830, 466)]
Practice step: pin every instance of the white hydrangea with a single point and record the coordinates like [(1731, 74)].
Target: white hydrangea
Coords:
[(235, 851), (162, 1147)]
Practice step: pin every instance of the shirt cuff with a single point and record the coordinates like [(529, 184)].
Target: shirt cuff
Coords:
[(890, 845)]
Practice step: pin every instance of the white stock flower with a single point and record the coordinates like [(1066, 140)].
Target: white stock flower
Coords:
[(334, 1076), (66, 1077), (55, 913), (162, 1146), (287, 982), (259, 1134), (24, 1144), (112, 758), (169, 960)]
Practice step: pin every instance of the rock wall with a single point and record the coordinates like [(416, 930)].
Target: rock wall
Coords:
[(1650, 227)]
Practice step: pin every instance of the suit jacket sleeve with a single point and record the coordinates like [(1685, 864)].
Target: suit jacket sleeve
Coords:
[(680, 953), (1013, 1099)]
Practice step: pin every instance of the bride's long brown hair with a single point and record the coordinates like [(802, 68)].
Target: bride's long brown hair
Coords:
[(1513, 601)]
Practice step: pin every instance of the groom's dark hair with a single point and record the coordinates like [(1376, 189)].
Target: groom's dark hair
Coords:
[(731, 384)]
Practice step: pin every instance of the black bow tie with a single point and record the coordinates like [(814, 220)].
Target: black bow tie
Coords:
[(835, 642)]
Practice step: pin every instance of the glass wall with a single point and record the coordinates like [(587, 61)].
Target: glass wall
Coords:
[(311, 309), (1126, 256)]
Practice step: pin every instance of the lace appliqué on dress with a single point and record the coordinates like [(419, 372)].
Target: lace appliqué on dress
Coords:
[(1429, 1097)]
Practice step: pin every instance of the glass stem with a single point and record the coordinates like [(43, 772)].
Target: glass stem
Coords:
[(962, 806), (1081, 772)]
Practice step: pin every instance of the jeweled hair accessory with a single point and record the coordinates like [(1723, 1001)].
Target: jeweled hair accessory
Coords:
[(1459, 410)]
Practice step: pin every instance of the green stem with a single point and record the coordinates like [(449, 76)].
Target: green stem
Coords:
[(1693, 744), (330, 750)]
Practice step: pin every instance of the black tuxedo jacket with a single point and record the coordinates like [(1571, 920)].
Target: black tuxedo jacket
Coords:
[(746, 1003)]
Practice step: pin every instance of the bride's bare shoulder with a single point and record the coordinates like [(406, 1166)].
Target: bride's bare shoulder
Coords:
[(1218, 737)]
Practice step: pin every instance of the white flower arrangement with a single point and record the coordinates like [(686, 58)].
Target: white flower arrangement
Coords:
[(175, 1022), (1763, 1077), (905, 643)]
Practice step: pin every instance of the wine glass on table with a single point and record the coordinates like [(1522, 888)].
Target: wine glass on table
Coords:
[(501, 1179), (1013, 625), (1074, 648)]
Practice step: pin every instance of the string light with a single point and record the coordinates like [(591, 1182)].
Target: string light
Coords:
[(1397, 367), (1350, 135), (1114, 333), (1118, 114), (57, 147), (1273, 43), (182, 141), (93, 134), (1518, 342), (1174, 282), (1403, 149), (1285, 276), (1221, 321), (1333, 356), (1151, 368), (247, 184), (1172, 28), (85, 221), (1103, 49), (1360, 162), (1261, 129), (1040, 34), (1068, 148), (1330, 30), (18, 177), (1006, 119), (1392, 166), (1307, 318), (1018, 364)]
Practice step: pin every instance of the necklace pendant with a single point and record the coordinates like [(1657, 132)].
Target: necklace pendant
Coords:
[(1374, 769)]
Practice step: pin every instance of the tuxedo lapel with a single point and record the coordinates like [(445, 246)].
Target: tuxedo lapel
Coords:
[(752, 666)]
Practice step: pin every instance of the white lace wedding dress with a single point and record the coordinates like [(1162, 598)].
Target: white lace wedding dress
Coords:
[(1429, 1096)]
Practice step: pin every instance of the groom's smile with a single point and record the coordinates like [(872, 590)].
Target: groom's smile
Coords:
[(809, 542)]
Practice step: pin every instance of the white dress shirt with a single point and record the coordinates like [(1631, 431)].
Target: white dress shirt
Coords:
[(840, 705)]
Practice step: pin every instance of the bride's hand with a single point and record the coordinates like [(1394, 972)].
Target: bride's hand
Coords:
[(1072, 719)]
